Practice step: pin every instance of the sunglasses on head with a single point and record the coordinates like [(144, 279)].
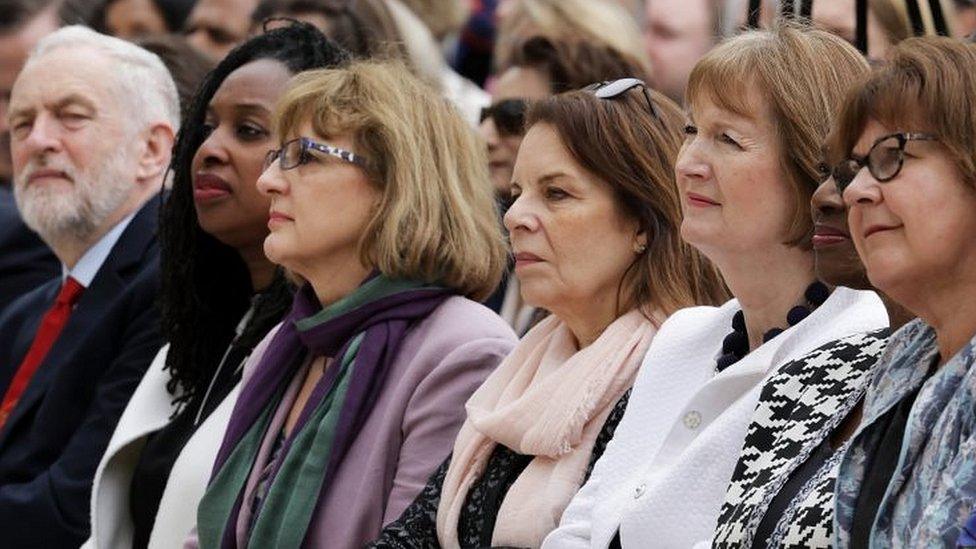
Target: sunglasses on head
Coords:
[(610, 89), (508, 116), (884, 159)]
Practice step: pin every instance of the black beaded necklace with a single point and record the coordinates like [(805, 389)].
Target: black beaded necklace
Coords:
[(736, 344)]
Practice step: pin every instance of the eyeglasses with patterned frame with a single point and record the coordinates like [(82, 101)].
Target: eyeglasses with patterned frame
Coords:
[(294, 153)]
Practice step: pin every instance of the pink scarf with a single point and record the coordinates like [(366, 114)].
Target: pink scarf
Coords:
[(550, 400)]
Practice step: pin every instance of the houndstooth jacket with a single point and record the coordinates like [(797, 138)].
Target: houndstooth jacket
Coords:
[(799, 407)]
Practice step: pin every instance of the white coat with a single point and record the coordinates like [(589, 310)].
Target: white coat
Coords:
[(149, 410), (663, 477)]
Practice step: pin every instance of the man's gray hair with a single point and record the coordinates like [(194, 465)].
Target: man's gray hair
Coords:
[(144, 81)]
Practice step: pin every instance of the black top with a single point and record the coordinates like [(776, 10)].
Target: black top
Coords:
[(417, 526), (879, 469), (782, 500), (165, 445)]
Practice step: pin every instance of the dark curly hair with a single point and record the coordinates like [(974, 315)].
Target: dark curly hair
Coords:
[(206, 286)]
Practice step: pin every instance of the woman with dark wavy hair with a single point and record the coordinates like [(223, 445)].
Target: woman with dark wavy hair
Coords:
[(220, 297)]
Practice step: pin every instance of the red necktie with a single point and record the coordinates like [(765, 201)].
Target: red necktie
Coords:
[(51, 325)]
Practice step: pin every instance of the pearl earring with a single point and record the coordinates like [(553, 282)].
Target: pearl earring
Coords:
[(640, 248)]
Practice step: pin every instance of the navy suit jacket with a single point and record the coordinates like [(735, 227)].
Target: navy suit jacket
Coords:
[(25, 261), (54, 439)]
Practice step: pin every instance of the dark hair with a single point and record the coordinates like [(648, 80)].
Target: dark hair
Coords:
[(186, 64), (174, 13), (16, 13), (206, 286), (572, 64), (365, 28), (633, 150)]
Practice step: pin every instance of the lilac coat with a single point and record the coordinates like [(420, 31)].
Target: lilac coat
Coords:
[(411, 429)]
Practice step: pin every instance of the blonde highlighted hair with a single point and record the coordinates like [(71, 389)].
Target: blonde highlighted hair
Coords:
[(801, 74), (603, 22), (436, 220)]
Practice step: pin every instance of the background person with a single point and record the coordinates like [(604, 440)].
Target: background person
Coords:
[(598, 21), (131, 19), (90, 150), (25, 261), (677, 33), (362, 387), (214, 27), (385, 29), (187, 66), (220, 296)]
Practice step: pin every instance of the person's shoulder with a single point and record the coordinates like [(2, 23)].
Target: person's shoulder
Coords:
[(33, 302), (694, 322), (461, 318), (855, 352), (459, 331)]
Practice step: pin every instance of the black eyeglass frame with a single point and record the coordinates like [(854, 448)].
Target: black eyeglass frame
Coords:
[(855, 164), (306, 145), (610, 89)]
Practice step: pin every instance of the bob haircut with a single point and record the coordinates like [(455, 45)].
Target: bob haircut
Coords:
[(437, 220), (926, 86), (801, 74), (633, 151)]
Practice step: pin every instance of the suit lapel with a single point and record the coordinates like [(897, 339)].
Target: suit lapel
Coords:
[(108, 284)]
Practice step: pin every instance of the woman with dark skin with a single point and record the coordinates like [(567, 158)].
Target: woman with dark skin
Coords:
[(766, 500), (220, 297)]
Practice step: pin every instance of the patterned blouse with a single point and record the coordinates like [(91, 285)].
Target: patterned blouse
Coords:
[(933, 488), (799, 408), (417, 526)]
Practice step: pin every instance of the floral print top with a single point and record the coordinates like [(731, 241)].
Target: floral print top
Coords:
[(933, 488)]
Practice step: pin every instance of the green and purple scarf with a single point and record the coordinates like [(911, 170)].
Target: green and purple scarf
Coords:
[(363, 333)]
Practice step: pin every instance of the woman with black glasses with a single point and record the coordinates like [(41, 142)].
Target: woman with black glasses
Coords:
[(908, 136), (594, 228)]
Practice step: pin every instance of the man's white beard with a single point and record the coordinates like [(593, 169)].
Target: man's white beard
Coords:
[(73, 211)]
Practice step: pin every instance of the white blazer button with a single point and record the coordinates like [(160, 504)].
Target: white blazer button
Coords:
[(692, 420), (639, 491)]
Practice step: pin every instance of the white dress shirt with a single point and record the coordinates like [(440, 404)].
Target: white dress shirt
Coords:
[(91, 261)]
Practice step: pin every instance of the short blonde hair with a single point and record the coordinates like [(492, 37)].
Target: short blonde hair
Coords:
[(802, 74), (437, 220), (599, 21)]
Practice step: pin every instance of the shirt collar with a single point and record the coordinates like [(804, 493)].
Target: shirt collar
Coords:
[(87, 267)]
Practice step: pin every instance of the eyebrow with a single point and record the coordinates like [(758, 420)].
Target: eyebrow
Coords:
[(75, 99), (552, 176), (71, 99)]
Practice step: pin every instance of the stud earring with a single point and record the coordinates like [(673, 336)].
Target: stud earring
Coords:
[(640, 248)]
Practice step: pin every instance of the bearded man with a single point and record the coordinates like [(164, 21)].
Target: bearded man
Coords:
[(92, 122)]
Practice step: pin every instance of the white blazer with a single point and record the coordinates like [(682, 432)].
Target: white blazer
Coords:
[(149, 410), (663, 477)]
